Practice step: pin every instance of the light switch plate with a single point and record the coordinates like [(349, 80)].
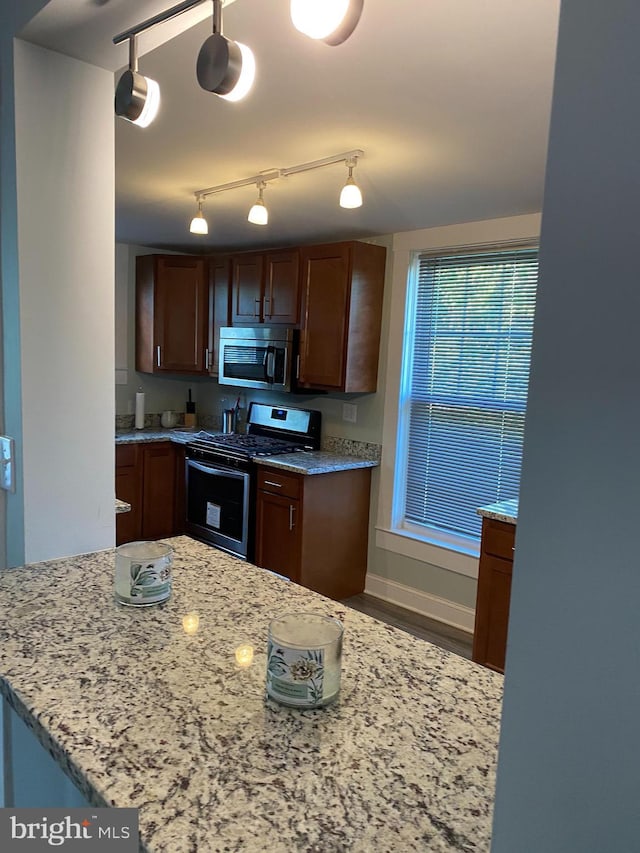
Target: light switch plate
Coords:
[(350, 412), (7, 464)]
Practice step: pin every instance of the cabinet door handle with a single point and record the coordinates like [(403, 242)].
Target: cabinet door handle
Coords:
[(264, 306), (297, 367), (256, 302), (271, 483), (292, 509), (158, 359), (207, 359)]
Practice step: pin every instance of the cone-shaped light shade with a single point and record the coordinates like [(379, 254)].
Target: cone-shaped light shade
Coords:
[(259, 215), (199, 223), (350, 196)]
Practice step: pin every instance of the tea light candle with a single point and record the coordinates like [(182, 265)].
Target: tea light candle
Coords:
[(304, 659), (244, 655), (190, 623)]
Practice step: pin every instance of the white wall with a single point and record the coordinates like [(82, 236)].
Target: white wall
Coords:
[(569, 773), (64, 116)]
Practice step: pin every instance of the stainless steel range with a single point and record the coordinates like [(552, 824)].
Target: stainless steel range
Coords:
[(221, 473)]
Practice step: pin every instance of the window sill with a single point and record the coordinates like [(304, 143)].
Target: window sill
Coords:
[(417, 548)]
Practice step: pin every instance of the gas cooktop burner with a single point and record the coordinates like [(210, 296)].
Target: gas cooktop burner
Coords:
[(248, 445)]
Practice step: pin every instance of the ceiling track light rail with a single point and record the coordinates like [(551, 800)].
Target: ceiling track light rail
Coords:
[(160, 18), (350, 197)]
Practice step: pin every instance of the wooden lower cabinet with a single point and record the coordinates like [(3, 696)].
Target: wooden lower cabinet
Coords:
[(158, 490), (494, 593), (150, 477), (129, 489), (313, 529)]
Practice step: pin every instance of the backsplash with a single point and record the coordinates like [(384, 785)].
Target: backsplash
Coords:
[(351, 447), (152, 421)]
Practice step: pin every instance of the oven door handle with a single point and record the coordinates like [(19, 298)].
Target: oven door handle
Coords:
[(214, 469)]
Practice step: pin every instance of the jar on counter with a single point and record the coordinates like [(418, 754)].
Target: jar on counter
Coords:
[(143, 573), (304, 659)]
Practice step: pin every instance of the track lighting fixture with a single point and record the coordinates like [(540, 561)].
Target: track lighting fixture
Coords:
[(259, 215), (224, 67), (199, 223), (332, 21), (137, 97), (351, 197)]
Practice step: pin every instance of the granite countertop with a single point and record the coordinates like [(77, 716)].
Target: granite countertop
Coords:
[(316, 462), (122, 506), (141, 714), (501, 511), (311, 462), (179, 436)]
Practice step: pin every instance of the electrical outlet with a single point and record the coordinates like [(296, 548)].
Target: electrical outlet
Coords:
[(7, 464), (350, 412)]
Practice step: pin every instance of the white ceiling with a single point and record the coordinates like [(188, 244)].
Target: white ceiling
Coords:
[(449, 99)]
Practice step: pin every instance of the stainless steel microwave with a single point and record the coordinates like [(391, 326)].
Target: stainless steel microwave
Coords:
[(259, 357)]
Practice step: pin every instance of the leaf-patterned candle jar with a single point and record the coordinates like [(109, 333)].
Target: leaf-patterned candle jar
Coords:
[(143, 573), (304, 659)]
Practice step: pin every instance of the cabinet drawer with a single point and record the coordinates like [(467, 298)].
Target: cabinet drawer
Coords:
[(279, 483), (498, 538), (126, 455)]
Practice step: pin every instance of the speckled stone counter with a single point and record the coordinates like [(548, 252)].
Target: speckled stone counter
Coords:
[(141, 436), (140, 713), (502, 511), (122, 506), (316, 462)]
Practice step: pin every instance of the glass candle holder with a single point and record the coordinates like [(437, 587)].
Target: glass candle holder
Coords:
[(304, 659), (143, 573)]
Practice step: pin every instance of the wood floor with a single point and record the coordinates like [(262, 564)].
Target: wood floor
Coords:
[(451, 639)]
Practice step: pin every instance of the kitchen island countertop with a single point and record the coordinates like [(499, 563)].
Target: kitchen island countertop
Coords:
[(140, 713)]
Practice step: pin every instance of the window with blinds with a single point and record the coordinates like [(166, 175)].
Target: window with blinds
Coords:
[(465, 387)]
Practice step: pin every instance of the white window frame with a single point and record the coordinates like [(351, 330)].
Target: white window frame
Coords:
[(453, 553)]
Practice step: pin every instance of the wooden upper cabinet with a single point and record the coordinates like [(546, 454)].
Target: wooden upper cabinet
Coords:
[(246, 289), (265, 288), (281, 299), (172, 301), (342, 288), (219, 306)]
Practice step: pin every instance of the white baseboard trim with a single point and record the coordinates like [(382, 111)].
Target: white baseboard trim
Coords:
[(441, 609)]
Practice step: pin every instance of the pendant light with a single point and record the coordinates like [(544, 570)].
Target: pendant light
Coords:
[(199, 223), (224, 67), (259, 215), (332, 21), (137, 97), (350, 196)]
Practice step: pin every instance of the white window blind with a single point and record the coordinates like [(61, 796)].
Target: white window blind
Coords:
[(467, 388)]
